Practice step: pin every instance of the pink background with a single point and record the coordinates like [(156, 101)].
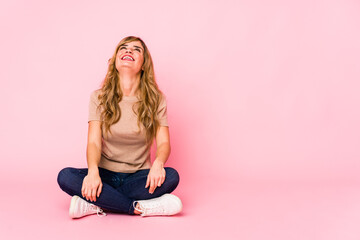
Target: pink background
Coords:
[(263, 108)]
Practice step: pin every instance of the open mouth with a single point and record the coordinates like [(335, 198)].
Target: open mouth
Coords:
[(127, 58)]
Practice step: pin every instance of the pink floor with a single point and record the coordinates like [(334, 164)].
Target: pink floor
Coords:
[(221, 209)]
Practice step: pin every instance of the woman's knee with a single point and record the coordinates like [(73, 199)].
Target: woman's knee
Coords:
[(173, 176), (63, 176)]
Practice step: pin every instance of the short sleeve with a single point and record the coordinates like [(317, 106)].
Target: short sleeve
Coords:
[(94, 113), (162, 112)]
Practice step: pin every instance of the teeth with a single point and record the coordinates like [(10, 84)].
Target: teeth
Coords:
[(127, 57)]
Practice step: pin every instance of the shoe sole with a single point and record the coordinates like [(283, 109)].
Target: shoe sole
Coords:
[(72, 206)]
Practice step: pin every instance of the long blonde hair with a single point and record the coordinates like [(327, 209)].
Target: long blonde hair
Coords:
[(149, 94)]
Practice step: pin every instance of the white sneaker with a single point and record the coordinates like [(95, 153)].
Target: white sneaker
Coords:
[(79, 208), (167, 204)]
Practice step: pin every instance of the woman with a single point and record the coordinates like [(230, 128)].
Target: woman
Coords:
[(125, 115)]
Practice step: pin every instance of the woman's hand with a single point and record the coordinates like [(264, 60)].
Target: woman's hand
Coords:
[(91, 186), (156, 176)]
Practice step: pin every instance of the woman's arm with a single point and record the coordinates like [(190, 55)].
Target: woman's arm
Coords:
[(93, 151), (92, 184), (163, 147), (156, 176)]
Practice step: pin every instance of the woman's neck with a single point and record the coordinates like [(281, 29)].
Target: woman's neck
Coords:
[(129, 83)]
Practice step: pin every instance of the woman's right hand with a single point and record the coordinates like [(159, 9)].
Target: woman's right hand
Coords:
[(91, 186)]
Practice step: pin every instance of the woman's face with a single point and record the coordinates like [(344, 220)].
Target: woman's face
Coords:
[(130, 56)]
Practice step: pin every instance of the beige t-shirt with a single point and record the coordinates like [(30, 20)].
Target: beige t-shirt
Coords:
[(124, 150)]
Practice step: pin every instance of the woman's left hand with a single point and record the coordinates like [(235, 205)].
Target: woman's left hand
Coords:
[(156, 176)]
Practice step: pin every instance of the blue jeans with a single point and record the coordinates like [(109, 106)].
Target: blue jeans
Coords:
[(119, 189)]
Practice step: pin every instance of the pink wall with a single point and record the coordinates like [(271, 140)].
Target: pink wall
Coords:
[(259, 89)]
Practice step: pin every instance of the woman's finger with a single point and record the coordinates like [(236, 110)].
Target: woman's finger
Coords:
[(93, 195), (86, 194), (147, 182), (83, 188), (152, 186), (99, 190), (89, 195)]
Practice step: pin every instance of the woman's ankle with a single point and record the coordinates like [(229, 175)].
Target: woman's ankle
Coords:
[(136, 211)]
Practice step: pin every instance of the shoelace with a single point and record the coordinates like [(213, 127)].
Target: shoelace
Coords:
[(150, 207), (100, 213), (92, 207)]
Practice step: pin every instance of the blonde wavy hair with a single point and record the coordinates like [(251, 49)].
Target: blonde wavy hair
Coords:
[(149, 94)]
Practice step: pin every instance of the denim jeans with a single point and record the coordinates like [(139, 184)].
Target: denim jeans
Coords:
[(119, 190)]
